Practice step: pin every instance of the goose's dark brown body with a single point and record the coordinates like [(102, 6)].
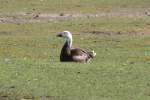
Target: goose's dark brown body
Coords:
[(75, 54), (65, 53)]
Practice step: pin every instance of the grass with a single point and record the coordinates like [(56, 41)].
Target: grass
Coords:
[(131, 25), (78, 6), (29, 52), (30, 68)]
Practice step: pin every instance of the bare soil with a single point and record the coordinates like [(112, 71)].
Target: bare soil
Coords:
[(32, 17)]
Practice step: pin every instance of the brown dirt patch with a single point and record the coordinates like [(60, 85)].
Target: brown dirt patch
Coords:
[(32, 17)]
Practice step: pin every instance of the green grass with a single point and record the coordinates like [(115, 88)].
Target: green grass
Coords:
[(30, 68), (29, 52), (72, 6), (130, 25)]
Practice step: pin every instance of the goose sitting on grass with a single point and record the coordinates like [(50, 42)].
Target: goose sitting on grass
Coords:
[(73, 54)]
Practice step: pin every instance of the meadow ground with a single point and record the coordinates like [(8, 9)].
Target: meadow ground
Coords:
[(29, 50)]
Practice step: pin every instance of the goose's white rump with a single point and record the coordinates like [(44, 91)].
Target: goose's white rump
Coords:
[(73, 54)]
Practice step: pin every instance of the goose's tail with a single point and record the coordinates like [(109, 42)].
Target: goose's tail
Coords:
[(92, 54)]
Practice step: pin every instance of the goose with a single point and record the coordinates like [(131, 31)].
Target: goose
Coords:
[(69, 54)]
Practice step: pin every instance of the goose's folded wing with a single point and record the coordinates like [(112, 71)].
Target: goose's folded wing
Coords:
[(78, 51), (79, 54)]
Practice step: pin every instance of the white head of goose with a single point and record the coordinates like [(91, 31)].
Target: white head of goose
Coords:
[(73, 54)]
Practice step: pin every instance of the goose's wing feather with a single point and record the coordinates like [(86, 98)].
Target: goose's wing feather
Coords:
[(79, 54)]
